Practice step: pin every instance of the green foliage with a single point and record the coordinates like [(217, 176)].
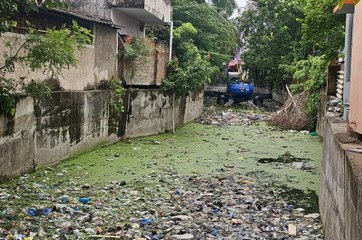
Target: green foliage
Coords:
[(310, 75), (280, 33), (189, 70), (224, 7), (135, 54), (8, 8), (136, 49), (227, 6), (272, 38), (292, 42), (215, 34), (160, 32), (37, 89), (50, 52), (323, 31), (215, 37), (56, 49), (118, 92), (7, 100)]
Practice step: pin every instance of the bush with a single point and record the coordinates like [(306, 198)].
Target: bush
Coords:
[(310, 76)]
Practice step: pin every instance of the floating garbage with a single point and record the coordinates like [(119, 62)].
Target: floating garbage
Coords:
[(146, 221), (84, 200), (39, 212)]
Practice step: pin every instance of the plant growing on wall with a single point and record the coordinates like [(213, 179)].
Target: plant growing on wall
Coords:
[(135, 54), (50, 52), (118, 92)]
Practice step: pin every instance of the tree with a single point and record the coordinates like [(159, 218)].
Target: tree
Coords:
[(189, 70), (9, 8), (277, 34), (228, 6), (271, 38), (323, 31), (225, 7), (50, 52), (216, 36), (292, 42)]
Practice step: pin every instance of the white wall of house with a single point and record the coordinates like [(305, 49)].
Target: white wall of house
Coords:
[(130, 26)]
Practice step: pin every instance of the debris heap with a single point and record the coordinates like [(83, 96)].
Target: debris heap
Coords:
[(292, 115)]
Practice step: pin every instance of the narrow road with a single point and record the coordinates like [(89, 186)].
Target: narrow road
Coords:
[(228, 176)]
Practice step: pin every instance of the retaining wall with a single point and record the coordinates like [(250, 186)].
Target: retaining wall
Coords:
[(340, 199), (43, 133), (151, 112)]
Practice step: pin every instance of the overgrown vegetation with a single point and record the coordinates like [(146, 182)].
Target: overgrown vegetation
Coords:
[(292, 42), (204, 40), (118, 92), (310, 76), (135, 54), (136, 49), (50, 53), (216, 36), (9, 8), (189, 70)]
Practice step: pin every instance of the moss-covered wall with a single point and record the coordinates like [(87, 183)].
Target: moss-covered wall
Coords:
[(45, 132)]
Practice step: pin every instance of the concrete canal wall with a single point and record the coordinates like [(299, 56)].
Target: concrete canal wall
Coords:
[(45, 132), (340, 197)]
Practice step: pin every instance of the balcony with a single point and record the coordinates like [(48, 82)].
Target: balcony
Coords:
[(145, 11)]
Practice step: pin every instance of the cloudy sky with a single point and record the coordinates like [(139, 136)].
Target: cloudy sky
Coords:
[(241, 3)]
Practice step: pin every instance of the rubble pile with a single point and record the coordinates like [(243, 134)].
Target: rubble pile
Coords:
[(217, 117), (226, 206)]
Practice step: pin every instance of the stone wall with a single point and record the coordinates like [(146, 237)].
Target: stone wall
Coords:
[(42, 133), (340, 198)]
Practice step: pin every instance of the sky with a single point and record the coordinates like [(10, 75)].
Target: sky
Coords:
[(241, 3)]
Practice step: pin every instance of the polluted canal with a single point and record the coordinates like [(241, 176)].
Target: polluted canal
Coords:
[(227, 176)]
